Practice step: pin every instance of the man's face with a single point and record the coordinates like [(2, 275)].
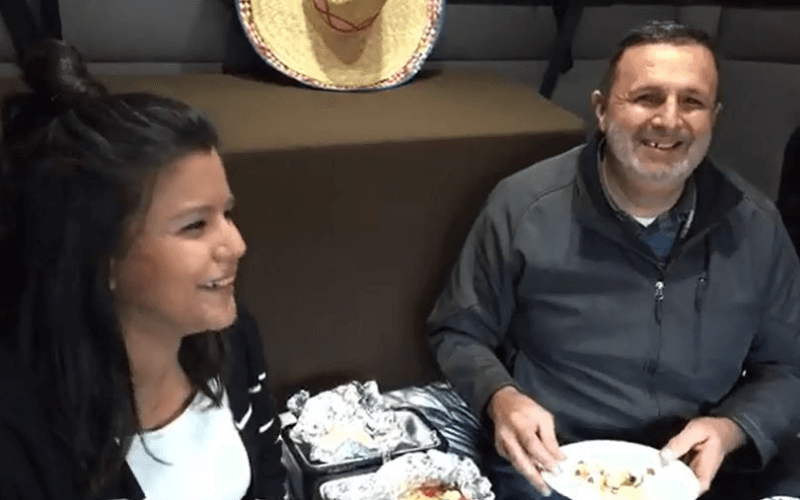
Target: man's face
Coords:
[(660, 112)]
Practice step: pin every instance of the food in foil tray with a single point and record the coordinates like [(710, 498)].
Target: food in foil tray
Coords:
[(434, 475), (350, 422), (429, 475), (435, 491), (613, 482)]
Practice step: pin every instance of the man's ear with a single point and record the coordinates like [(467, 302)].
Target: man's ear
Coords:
[(600, 107), (717, 109), (112, 280)]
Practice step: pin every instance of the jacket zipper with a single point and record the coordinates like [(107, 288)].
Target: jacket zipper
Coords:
[(659, 299), (651, 365), (700, 293)]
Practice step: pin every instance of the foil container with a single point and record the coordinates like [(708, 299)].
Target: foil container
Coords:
[(408, 472), (353, 422)]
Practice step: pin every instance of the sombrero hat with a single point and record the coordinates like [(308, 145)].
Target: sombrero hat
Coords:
[(343, 44)]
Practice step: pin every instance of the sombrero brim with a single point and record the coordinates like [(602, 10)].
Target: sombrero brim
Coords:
[(292, 37)]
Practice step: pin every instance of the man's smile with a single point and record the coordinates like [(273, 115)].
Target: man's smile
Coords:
[(664, 146)]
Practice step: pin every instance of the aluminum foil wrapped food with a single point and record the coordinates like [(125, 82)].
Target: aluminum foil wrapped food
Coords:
[(415, 475), (349, 422)]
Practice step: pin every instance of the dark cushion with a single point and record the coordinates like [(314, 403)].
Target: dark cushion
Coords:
[(448, 413)]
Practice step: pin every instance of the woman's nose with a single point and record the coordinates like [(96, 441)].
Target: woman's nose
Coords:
[(232, 245)]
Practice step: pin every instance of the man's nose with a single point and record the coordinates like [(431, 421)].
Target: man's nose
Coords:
[(668, 116)]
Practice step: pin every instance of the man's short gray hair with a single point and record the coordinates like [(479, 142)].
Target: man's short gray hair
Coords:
[(654, 32)]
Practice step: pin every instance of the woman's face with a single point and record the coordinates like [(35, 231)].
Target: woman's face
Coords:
[(177, 277)]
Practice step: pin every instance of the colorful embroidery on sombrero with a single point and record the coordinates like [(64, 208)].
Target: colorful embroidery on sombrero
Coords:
[(418, 57)]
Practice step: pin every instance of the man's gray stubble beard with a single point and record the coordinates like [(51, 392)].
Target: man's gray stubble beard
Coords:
[(622, 147)]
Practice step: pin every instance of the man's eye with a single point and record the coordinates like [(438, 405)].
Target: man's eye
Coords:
[(195, 226), (691, 101), (229, 214), (648, 98)]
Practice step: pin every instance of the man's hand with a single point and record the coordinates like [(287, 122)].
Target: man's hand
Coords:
[(703, 444), (524, 435)]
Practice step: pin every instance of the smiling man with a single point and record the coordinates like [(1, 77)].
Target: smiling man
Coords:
[(629, 289)]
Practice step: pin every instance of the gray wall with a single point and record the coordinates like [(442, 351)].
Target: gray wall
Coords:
[(760, 49)]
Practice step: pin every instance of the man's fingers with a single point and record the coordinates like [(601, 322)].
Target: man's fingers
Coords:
[(534, 447), (680, 445), (519, 422), (527, 467), (705, 466), (500, 449), (548, 435)]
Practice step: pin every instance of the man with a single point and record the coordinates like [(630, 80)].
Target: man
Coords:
[(788, 202), (627, 289)]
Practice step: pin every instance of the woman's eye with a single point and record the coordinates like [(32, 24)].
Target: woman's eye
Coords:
[(229, 214), (195, 226)]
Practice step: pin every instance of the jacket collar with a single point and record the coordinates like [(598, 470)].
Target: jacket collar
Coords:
[(716, 197)]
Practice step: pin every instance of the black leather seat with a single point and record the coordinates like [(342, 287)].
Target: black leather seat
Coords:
[(789, 194)]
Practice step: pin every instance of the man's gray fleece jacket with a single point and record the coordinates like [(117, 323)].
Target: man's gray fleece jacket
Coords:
[(552, 293)]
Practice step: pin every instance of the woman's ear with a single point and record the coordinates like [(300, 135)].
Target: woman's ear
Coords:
[(600, 106)]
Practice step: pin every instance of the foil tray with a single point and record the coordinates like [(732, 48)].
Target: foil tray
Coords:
[(409, 471), (417, 435)]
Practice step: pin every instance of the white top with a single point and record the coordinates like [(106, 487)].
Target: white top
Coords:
[(645, 221), (209, 460)]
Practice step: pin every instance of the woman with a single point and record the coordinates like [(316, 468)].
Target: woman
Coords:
[(124, 369)]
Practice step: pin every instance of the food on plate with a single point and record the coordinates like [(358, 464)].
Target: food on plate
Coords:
[(614, 482), (433, 492)]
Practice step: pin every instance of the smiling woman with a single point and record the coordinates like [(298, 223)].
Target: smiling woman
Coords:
[(178, 274), (134, 369)]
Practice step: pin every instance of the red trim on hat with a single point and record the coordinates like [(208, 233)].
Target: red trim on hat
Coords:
[(330, 17)]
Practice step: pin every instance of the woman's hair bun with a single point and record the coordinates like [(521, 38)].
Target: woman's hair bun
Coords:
[(55, 69)]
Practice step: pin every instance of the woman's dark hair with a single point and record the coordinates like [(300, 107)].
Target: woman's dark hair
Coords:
[(653, 32), (77, 166)]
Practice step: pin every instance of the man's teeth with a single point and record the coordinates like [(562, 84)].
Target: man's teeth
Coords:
[(660, 145)]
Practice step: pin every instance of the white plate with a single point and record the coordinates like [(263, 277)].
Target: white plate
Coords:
[(673, 482)]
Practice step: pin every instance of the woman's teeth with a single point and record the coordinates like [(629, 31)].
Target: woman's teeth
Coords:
[(213, 285)]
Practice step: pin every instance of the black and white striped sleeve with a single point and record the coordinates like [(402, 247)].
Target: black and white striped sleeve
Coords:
[(269, 476)]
